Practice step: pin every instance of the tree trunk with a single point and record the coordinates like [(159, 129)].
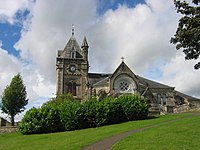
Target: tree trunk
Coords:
[(12, 120)]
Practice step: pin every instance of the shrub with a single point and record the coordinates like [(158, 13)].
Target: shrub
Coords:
[(42, 120), (90, 109), (50, 118), (134, 106), (72, 115), (108, 111), (114, 111), (30, 123), (63, 114)]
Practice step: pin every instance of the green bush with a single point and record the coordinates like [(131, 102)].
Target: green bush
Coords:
[(72, 115), (50, 118), (64, 113), (90, 109), (31, 122), (134, 106), (99, 113), (42, 120), (115, 112)]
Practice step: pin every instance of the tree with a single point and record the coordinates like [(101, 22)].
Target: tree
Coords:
[(187, 36), (14, 98)]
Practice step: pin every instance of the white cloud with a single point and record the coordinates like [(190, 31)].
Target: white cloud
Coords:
[(50, 28), (140, 34), (38, 92), (180, 73), (9, 67), (9, 9)]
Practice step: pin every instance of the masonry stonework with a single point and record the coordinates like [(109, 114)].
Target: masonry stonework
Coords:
[(73, 76)]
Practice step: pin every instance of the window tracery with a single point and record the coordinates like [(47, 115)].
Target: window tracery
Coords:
[(124, 84)]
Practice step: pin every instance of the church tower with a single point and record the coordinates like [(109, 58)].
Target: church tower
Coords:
[(72, 68)]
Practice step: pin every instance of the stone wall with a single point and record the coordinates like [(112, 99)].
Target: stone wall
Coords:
[(8, 129)]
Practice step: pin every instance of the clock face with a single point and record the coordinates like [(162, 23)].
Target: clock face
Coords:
[(72, 68)]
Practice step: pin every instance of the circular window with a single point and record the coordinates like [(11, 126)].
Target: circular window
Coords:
[(124, 84)]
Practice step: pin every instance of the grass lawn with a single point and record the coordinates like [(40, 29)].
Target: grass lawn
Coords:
[(180, 135), (185, 131)]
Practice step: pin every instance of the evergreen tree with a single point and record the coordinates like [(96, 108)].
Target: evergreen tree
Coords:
[(14, 98), (187, 36)]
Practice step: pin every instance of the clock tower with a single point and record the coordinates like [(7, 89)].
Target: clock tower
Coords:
[(72, 69)]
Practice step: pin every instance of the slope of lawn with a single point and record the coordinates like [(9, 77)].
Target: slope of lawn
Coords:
[(77, 139), (180, 135)]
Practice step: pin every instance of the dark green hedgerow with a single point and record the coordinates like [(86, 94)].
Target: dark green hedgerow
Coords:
[(134, 106), (65, 113)]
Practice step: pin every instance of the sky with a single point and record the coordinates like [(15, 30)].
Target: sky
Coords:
[(32, 31)]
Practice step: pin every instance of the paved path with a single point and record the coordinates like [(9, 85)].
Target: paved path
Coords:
[(107, 143)]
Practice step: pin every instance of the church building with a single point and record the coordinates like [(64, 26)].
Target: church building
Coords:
[(73, 76)]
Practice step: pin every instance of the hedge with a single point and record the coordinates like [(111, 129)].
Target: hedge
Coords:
[(65, 113)]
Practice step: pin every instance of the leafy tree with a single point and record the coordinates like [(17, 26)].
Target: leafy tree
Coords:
[(187, 36), (14, 98)]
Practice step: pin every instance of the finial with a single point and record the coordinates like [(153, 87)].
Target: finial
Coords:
[(122, 58), (72, 29)]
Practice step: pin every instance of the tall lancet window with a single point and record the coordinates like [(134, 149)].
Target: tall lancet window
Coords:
[(72, 88), (73, 53)]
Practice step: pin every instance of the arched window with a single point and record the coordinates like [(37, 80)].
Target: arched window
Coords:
[(124, 84), (164, 99), (72, 88), (159, 98), (73, 54)]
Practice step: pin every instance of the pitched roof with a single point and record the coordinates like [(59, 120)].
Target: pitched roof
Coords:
[(102, 82), (154, 84), (187, 96), (121, 68), (72, 45), (96, 77)]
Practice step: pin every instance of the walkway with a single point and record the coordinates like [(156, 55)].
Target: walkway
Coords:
[(107, 143)]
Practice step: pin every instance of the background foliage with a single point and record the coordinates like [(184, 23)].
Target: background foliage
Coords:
[(187, 36), (14, 97)]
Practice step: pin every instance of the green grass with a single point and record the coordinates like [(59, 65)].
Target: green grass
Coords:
[(74, 140), (180, 135)]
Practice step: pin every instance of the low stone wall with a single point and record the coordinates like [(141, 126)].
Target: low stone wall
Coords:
[(182, 108), (195, 109), (8, 129)]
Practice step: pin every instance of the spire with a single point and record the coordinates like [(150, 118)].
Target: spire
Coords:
[(84, 44)]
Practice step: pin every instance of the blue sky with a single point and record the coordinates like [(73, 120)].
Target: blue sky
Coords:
[(32, 31), (104, 5), (10, 33)]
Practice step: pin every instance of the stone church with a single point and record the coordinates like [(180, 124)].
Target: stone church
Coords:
[(73, 76)]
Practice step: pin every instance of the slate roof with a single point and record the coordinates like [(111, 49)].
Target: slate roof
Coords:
[(94, 78), (153, 84), (102, 82), (72, 45), (187, 96), (98, 79)]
